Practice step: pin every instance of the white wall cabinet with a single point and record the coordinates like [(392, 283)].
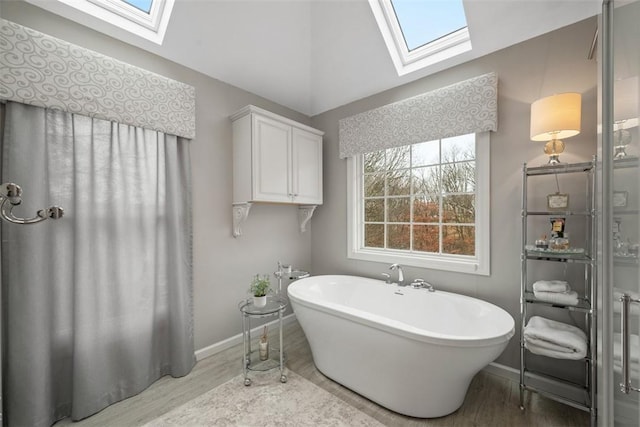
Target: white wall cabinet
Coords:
[(275, 160)]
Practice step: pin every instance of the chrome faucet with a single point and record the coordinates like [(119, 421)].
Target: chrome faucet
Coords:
[(421, 284), (400, 275)]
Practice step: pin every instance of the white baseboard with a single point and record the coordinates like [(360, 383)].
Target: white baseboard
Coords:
[(212, 349), (543, 383), (503, 371)]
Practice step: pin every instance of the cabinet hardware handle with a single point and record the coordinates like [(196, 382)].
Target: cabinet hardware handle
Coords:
[(625, 385)]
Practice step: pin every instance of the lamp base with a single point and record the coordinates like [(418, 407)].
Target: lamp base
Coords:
[(553, 149), (619, 152), (554, 159)]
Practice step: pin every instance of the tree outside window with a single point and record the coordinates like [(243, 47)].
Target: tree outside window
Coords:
[(421, 197)]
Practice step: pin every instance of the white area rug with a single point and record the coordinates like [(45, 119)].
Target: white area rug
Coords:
[(267, 402)]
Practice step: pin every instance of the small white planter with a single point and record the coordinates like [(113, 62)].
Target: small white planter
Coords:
[(260, 301)]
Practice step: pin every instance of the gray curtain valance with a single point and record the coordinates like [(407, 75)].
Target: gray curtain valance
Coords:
[(467, 107), (41, 70)]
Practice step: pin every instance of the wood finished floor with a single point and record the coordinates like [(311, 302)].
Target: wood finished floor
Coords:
[(491, 400)]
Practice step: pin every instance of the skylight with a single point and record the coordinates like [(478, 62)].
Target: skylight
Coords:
[(422, 22), (143, 5), (144, 18), (419, 33)]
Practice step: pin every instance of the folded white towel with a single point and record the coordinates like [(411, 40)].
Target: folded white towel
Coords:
[(542, 351), (617, 305), (564, 298), (555, 339), (551, 286)]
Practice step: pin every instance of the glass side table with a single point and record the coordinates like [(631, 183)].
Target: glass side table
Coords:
[(251, 358)]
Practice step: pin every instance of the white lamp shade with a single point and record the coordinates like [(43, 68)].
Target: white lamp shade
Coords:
[(556, 116)]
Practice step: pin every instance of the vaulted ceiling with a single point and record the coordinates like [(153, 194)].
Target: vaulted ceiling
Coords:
[(315, 55)]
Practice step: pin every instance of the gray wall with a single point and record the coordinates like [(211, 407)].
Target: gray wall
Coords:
[(553, 63), (223, 265)]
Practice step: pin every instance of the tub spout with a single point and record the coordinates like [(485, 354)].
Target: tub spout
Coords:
[(400, 275), (421, 284)]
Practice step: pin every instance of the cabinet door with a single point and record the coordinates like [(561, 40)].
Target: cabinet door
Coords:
[(306, 169), (270, 160)]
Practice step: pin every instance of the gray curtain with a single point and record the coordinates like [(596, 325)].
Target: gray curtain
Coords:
[(99, 302)]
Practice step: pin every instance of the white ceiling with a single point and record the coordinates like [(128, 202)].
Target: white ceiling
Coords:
[(315, 55)]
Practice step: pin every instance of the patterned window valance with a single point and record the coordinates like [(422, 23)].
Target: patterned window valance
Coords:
[(467, 107), (41, 70)]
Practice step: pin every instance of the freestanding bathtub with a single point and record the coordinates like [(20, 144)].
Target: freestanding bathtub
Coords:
[(409, 350)]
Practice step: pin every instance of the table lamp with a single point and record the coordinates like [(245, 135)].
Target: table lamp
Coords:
[(553, 118)]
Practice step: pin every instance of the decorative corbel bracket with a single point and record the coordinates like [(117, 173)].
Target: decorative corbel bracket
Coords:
[(240, 214), (305, 212)]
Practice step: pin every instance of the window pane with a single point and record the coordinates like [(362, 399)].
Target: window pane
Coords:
[(421, 197), (398, 236), (425, 180), (143, 5), (422, 22), (374, 235), (374, 210), (459, 239), (399, 183), (458, 177), (425, 153), (399, 157), (459, 148), (374, 185), (426, 238), (459, 209), (399, 210), (426, 208), (374, 161)]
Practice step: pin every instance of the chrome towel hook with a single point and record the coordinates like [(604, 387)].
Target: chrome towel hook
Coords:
[(11, 195)]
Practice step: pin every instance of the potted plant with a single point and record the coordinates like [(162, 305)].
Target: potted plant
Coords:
[(259, 288)]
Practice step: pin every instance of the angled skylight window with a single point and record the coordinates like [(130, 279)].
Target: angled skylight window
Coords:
[(144, 18), (143, 5), (419, 33)]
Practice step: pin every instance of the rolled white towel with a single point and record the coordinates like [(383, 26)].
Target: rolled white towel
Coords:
[(564, 298), (551, 286), (555, 339)]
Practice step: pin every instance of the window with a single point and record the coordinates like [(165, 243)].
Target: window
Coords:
[(144, 18), (425, 205), (143, 5), (421, 33), (444, 18)]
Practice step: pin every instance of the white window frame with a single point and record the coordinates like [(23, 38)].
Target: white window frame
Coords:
[(405, 60), (479, 264), (151, 26)]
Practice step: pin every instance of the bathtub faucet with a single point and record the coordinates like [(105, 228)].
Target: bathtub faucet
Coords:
[(421, 284), (400, 275)]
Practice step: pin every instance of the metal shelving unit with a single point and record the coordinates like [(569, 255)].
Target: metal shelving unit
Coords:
[(577, 395)]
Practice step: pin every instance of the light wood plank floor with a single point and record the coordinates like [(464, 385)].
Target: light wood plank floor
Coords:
[(491, 400)]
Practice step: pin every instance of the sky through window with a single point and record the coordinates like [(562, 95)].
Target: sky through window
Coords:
[(423, 21), (143, 5)]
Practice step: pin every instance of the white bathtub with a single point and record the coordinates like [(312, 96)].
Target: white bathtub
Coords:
[(409, 350)]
